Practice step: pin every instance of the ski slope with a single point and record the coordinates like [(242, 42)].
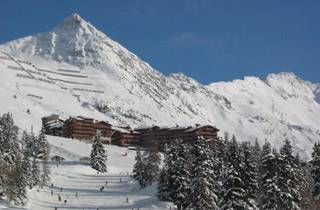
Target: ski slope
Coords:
[(75, 176)]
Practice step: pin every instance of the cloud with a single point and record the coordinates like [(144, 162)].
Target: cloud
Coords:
[(189, 38)]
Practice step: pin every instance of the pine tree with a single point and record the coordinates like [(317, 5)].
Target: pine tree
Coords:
[(138, 169), (20, 188), (27, 141), (218, 152), (235, 194), (315, 170), (256, 152), (42, 152), (27, 170), (163, 184), (41, 146), (9, 152), (249, 176), (98, 155), (151, 164), (44, 177), (16, 190), (175, 176), (9, 148), (35, 173), (204, 183), (288, 178), (268, 179)]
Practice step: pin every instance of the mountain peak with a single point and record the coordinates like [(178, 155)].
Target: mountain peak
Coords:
[(72, 23), (283, 75), (74, 17)]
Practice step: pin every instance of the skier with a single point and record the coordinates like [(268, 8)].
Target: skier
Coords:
[(101, 188), (65, 202), (59, 197), (127, 200)]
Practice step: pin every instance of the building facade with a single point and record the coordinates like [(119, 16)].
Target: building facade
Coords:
[(86, 128)]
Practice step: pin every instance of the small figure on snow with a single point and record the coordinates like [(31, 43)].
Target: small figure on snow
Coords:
[(51, 192), (127, 200), (59, 197), (101, 188), (65, 202)]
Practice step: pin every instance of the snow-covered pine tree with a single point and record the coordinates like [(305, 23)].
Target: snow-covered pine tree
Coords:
[(315, 170), (42, 152), (27, 142), (163, 184), (218, 153), (9, 147), (9, 150), (234, 192), (256, 152), (204, 183), (20, 184), (41, 146), (44, 176), (138, 169), (35, 173), (249, 175), (151, 161), (289, 178), (177, 178), (98, 154), (268, 179), (27, 170)]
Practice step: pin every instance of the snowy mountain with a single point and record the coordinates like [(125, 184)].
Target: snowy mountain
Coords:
[(77, 70)]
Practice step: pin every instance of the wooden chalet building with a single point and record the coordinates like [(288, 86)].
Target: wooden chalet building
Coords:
[(86, 128), (124, 136), (53, 125), (159, 136)]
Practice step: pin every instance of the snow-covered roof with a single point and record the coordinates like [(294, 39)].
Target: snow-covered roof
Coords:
[(123, 130), (200, 126)]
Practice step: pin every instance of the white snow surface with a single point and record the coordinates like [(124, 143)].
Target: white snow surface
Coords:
[(77, 70), (75, 176)]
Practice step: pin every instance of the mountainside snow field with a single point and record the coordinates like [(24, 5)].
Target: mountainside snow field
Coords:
[(77, 70), (76, 177)]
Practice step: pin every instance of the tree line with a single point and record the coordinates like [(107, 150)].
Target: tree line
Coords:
[(231, 175), (23, 161)]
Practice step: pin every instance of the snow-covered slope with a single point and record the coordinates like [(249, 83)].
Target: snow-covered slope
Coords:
[(77, 177), (77, 70)]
